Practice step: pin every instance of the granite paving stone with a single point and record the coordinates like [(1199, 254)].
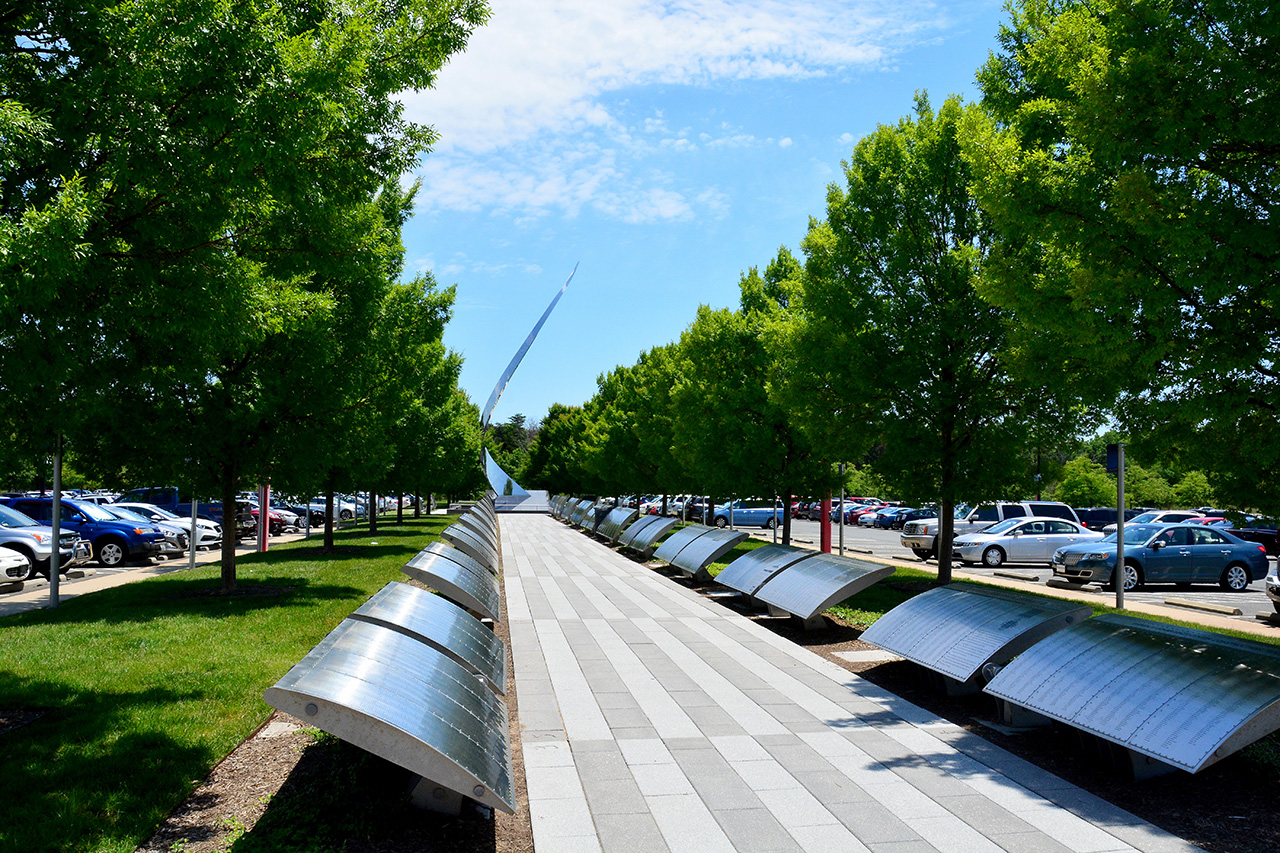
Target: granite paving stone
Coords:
[(654, 719)]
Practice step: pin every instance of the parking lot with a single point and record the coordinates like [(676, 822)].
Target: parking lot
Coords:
[(33, 593), (885, 544)]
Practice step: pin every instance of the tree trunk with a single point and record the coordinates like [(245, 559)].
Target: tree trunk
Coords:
[(373, 512), (946, 532), (328, 518), (417, 506), (664, 505), (230, 528), (786, 519), (400, 509)]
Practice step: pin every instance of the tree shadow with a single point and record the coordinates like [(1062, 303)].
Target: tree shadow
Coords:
[(88, 770), (340, 797)]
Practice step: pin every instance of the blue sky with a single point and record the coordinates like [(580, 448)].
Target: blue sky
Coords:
[(663, 147)]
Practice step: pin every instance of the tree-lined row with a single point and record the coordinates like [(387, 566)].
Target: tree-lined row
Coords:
[(200, 253), (1096, 241)]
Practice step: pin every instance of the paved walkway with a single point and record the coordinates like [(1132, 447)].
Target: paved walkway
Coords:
[(654, 719)]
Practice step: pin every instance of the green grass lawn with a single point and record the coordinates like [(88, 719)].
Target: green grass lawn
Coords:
[(145, 687)]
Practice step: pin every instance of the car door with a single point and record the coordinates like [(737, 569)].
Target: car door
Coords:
[(1057, 534), (1210, 553), (1172, 560), (1023, 543)]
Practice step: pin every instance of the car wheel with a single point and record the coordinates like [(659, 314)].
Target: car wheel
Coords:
[(345, 515), (1235, 578), (993, 557), (922, 553), (721, 521), (1132, 579), (112, 553), (770, 524)]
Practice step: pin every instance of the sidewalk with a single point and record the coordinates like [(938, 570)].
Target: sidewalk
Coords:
[(653, 719), (35, 595)]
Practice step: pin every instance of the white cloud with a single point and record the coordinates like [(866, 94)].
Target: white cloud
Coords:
[(524, 114), (845, 139), (784, 142)]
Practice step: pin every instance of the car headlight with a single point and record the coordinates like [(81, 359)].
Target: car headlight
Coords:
[(42, 538), (1097, 555)]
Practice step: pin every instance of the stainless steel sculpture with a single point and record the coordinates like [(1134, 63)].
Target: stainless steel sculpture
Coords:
[(473, 522), (409, 703), (811, 586), (750, 571), (694, 558), (441, 624), (580, 512), (520, 353), (679, 540), (618, 518), (458, 578), (956, 630), (643, 539), (475, 548), (1183, 697)]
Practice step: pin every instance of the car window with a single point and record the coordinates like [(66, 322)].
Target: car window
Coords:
[(1050, 509), (13, 518), (96, 512), (1176, 536), (985, 513), (1014, 510), (1032, 528), (39, 510), (1003, 526), (1060, 527), (1208, 536), (1142, 519)]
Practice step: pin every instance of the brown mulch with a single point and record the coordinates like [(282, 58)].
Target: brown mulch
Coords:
[(1229, 807), (16, 718)]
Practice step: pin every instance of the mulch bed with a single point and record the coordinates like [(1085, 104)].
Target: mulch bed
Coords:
[(1228, 807)]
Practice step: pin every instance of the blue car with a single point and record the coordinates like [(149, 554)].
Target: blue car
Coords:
[(114, 542), (1165, 553), (750, 513)]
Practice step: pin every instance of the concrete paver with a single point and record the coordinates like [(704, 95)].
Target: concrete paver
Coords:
[(653, 719)]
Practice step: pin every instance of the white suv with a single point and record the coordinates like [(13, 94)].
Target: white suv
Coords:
[(921, 535)]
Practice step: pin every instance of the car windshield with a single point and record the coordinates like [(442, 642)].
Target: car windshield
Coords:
[(1002, 526), (1136, 534), (95, 512), (127, 514), (13, 518), (153, 511), (1142, 519)]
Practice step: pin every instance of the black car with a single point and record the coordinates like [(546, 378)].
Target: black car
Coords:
[(1264, 531), (1098, 517)]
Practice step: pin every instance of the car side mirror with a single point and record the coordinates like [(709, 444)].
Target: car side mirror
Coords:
[(1156, 546)]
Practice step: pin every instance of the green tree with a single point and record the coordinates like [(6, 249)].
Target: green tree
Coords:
[(557, 458), (194, 235), (894, 346), (1131, 167), (1193, 490), (1086, 483)]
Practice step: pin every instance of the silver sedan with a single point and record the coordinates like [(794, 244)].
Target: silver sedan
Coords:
[(1020, 540)]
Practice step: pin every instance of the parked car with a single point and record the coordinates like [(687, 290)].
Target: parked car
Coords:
[(1254, 529), (210, 531), (1162, 553), (1098, 517), (750, 512), (1273, 588), (1167, 516), (34, 541), (883, 519), (175, 539), (14, 567), (114, 542), (901, 519), (168, 498), (1020, 540), (921, 535)]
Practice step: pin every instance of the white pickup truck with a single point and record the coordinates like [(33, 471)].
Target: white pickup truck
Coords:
[(921, 535)]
